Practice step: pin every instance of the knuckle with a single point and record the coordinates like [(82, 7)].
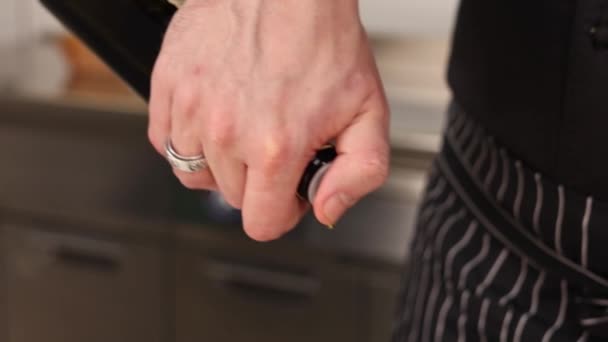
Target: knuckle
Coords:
[(222, 131), (186, 101), (276, 152), (376, 169), (358, 81)]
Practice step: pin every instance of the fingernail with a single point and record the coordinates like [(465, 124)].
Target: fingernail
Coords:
[(335, 207)]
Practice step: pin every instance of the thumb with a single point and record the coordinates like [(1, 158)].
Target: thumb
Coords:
[(361, 167)]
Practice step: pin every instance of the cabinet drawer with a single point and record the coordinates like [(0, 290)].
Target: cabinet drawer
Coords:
[(70, 288), (3, 287), (253, 292), (384, 289)]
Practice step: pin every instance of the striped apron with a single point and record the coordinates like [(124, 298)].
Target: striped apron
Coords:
[(501, 253)]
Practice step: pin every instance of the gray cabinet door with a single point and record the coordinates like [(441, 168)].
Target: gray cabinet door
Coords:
[(3, 292), (240, 291), (70, 288), (384, 290)]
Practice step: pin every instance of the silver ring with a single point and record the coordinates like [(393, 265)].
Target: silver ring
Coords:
[(184, 163)]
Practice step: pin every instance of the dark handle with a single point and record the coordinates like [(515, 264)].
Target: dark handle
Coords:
[(78, 251), (79, 258), (265, 282)]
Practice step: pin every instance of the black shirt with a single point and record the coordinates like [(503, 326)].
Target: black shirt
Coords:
[(535, 74)]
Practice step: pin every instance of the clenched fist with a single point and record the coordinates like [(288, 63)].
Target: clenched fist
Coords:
[(257, 86)]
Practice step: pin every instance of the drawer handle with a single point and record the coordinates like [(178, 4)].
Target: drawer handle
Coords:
[(83, 259), (262, 281), (78, 251)]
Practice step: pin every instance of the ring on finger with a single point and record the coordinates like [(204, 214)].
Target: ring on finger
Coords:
[(188, 164)]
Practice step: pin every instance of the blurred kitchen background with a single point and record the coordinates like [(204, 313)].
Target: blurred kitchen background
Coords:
[(98, 242)]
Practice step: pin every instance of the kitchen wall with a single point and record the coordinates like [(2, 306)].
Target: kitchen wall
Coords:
[(7, 41), (429, 18), (27, 61), (411, 17)]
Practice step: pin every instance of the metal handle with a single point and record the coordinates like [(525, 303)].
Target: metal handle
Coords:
[(85, 259), (77, 251), (263, 281)]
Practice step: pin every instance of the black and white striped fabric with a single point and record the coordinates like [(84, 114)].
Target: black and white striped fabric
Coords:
[(466, 283)]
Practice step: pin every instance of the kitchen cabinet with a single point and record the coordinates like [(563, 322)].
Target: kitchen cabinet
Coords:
[(229, 290), (383, 288), (68, 287), (3, 293)]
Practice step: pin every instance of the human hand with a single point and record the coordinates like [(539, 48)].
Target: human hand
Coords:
[(257, 87)]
